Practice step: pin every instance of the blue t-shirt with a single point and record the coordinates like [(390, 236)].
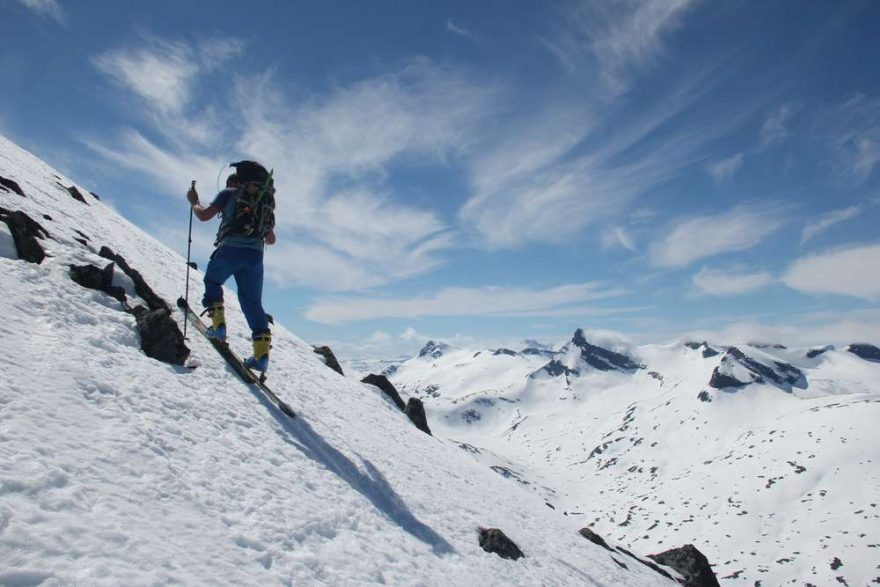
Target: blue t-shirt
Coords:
[(225, 201)]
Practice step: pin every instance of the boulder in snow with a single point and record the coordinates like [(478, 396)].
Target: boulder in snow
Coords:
[(25, 232), (76, 194), (690, 563), (387, 388), (494, 540), (146, 293), (100, 279), (415, 411), (10, 185), (161, 338), (329, 358)]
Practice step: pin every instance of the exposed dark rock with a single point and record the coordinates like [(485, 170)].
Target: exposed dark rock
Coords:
[(387, 387), (25, 232), (390, 370), (704, 396), (100, 279), (602, 358), (537, 351), (11, 185), (555, 368), (96, 196), (721, 380), (594, 538), (76, 194), (161, 338), (865, 351), (494, 540), (329, 358), (710, 352), (415, 411), (815, 352), (505, 352), (690, 564), (146, 293), (433, 349), (784, 375), (694, 345)]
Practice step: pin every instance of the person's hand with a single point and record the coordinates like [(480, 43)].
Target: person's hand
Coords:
[(193, 196)]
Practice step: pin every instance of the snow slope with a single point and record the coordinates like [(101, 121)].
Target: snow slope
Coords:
[(118, 469), (775, 476)]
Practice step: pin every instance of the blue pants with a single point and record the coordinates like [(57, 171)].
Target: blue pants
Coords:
[(246, 265)]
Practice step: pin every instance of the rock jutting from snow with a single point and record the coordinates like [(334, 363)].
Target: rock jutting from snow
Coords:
[(93, 277), (594, 538), (415, 411), (161, 338), (433, 349), (11, 185), (736, 366), (869, 352), (690, 563), (146, 293), (76, 194), (25, 232), (329, 358), (503, 351), (815, 352), (387, 388), (494, 540), (579, 354)]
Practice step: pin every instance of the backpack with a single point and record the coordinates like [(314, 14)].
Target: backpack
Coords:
[(254, 214)]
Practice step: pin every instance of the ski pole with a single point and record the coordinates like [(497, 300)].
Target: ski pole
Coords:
[(188, 248)]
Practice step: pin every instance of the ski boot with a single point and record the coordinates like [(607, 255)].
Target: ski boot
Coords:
[(260, 361), (217, 313)]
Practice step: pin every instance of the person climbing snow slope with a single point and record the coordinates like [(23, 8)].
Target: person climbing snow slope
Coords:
[(247, 223)]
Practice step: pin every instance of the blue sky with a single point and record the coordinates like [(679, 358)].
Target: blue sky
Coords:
[(492, 171)]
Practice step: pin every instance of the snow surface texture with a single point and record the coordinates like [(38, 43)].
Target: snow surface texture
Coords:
[(117, 469), (776, 481)]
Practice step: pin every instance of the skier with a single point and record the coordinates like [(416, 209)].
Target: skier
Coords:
[(246, 209)]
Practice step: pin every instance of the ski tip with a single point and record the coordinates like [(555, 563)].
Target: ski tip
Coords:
[(286, 410)]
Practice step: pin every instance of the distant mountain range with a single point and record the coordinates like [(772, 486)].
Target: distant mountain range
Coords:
[(767, 456)]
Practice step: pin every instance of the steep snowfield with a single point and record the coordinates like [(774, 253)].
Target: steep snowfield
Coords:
[(118, 469), (774, 482)]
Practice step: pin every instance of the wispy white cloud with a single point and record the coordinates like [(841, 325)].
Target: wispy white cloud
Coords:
[(731, 282), (617, 236), (622, 37), (705, 236), (849, 271), (331, 154), (826, 221), (457, 30), (725, 168), (853, 131), (486, 301), (48, 8), (776, 126)]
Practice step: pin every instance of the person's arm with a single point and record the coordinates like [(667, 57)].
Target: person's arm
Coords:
[(201, 212)]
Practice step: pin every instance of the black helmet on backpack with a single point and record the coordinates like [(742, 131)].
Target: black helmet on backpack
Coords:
[(248, 171)]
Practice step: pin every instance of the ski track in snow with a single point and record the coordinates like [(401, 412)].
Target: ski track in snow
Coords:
[(118, 469)]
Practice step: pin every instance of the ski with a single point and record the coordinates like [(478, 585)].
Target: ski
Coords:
[(234, 361)]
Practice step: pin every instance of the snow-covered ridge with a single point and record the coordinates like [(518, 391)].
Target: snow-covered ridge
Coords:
[(117, 468), (766, 457)]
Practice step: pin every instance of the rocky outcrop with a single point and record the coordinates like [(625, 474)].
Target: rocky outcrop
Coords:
[(593, 537), (579, 354), (329, 358), (690, 563), (10, 185), (503, 351), (387, 388), (707, 350), (415, 411), (738, 369), (161, 338), (25, 232), (100, 279), (433, 349), (815, 352), (76, 194), (865, 351), (494, 540), (143, 290), (598, 540)]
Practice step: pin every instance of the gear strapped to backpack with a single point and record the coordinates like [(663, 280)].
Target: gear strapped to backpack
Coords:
[(254, 214)]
